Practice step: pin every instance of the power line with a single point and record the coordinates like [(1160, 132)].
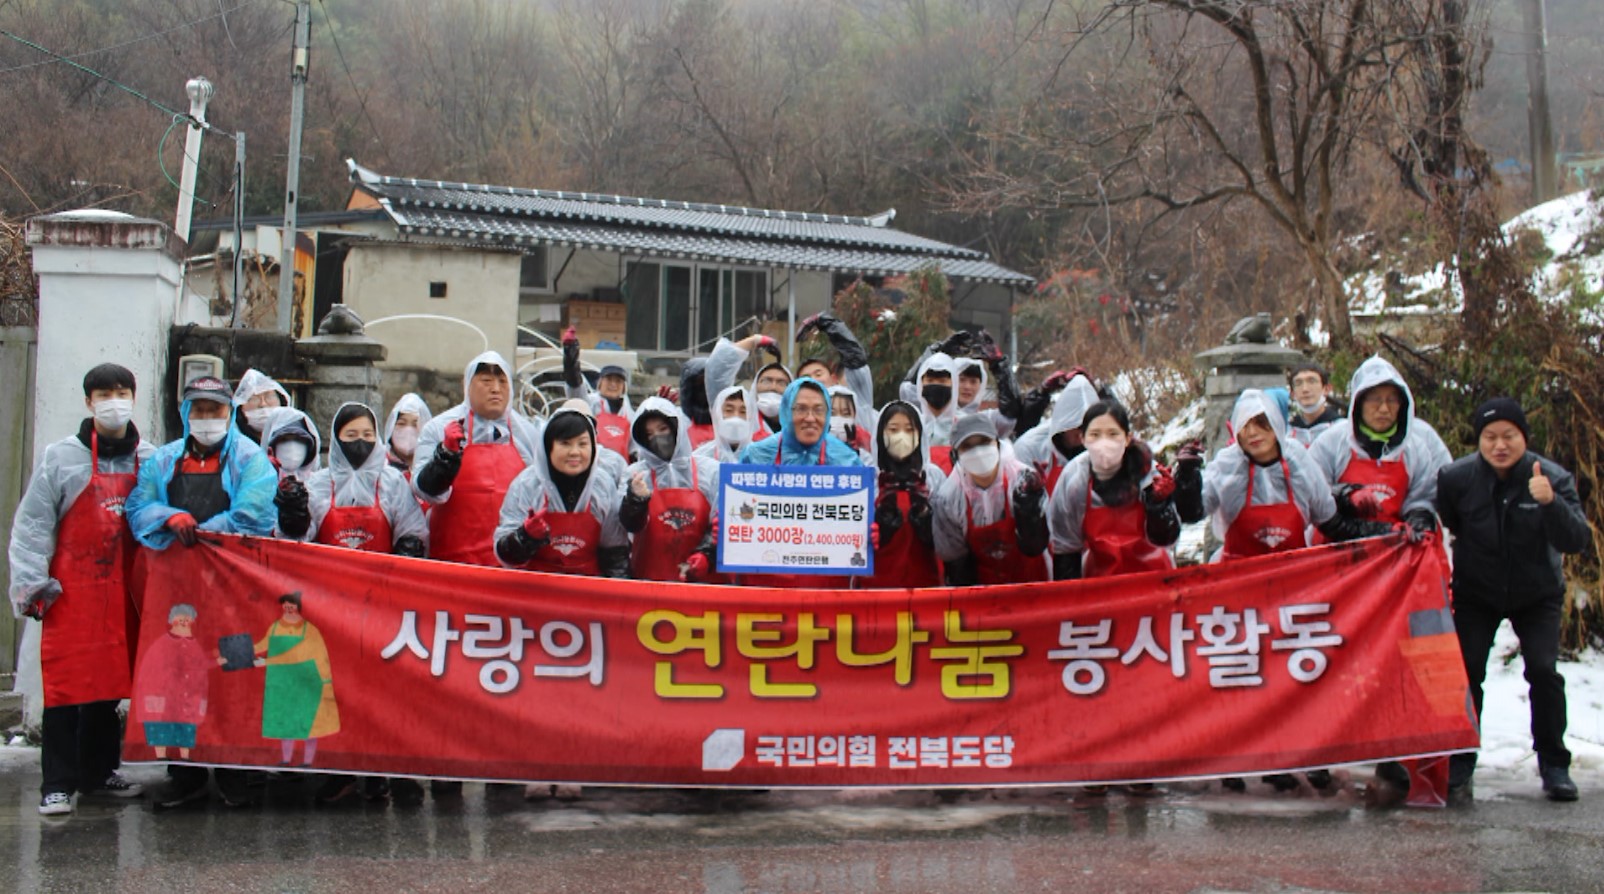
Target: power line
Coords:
[(128, 43), (361, 98)]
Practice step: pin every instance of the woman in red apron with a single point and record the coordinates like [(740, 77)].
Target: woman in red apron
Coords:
[(71, 556), (1113, 511), (359, 501), (668, 505), (560, 515), (990, 515), (906, 482), (474, 451)]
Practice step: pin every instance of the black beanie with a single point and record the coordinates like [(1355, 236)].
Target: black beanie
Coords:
[(1506, 409)]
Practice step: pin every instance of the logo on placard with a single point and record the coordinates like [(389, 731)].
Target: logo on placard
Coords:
[(748, 511)]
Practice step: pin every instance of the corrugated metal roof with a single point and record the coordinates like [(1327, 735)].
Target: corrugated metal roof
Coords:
[(437, 223), (654, 225)]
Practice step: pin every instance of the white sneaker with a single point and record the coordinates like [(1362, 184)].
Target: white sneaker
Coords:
[(55, 804), (118, 786)]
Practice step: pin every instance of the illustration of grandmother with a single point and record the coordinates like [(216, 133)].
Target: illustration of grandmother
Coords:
[(170, 697)]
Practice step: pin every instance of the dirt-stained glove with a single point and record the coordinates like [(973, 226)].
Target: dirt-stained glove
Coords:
[(668, 393), (1420, 524), (766, 343), (987, 351), (294, 516), (888, 516), (1189, 459), (183, 525), (817, 321), (1357, 500), (571, 373), (958, 344), (694, 568), (1162, 487)]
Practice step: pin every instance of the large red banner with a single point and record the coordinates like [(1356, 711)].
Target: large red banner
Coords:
[(386, 665)]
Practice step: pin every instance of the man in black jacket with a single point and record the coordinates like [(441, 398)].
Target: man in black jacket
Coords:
[(1512, 512)]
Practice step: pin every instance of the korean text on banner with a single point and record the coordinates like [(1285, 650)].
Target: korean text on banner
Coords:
[(1323, 656)]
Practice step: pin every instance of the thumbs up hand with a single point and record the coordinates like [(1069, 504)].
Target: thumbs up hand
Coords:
[(1542, 490)]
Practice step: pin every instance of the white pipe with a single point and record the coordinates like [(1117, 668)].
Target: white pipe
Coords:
[(200, 93), (482, 337)]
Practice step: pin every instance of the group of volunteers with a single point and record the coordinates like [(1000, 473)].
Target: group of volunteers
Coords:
[(1049, 484)]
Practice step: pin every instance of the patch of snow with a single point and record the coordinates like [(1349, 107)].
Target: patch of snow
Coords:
[(887, 315), (1506, 731), (1189, 549), (1186, 426)]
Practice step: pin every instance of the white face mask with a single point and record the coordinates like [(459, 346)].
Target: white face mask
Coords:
[(114, 412), (980, 460), (901, 444), (404, 440), (258, 417), (734, 430), (838, 427), (1106, 455), (290, 454), (207, 432), (768, 403), (1313, 406)]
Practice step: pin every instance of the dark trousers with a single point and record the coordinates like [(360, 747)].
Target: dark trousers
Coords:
[(82, 746), (230, 781), (1537, 626)]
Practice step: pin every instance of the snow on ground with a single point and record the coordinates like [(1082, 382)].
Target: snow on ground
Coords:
[(1573, 264), (1186, 426), (1506, 715)]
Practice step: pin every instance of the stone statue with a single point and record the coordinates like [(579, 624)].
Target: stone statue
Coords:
[(342, 320), (1250, 330)]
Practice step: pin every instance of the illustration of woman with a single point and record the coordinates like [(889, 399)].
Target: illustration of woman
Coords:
[(170, 700), (298, 695)]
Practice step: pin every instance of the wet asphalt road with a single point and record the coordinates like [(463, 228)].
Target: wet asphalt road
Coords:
[(1191, 838)]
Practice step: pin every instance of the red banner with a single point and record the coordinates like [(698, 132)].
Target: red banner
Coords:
[(395, 666)]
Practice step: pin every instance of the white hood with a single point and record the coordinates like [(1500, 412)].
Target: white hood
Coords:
[(254, 383), (408, 403), (281, 418)]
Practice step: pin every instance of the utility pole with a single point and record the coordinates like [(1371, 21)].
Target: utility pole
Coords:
[(1545, 180), (200, 93), (292, 169)]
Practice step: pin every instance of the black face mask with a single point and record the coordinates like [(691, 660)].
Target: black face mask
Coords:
[(662, 446), (937, 396), (357, 452)]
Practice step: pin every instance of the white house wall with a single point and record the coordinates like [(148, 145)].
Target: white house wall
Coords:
[(385, 280)]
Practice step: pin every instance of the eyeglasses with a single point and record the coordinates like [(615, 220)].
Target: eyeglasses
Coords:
[(809, 412), (1382, 400)]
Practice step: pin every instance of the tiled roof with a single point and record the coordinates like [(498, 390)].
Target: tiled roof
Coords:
[(659, 227)]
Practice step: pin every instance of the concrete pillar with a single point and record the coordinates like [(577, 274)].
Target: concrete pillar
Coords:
[(340, 364), (107, 287)]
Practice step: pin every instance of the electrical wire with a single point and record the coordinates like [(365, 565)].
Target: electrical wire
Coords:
[(361, 97), (128, 43), (161, 162)]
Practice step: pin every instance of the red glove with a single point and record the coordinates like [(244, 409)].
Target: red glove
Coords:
[(712, 521), (874, 535), (1190, 457), (765, 343), (694, 568), (183, 525), (668, 393), (1055, 381), (455, 438), (1364, 502), (570, 337), (807, 327), (1163, 486), (535, 527)]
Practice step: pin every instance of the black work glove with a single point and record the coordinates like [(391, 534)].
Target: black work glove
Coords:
[(1341, 528), (1421, 523), (958, 344), (987, 351), (888, 516), (1066, 566), (1030, 513), (1357, 500), (571, 373), (409, 546), (921, 516), (294, 517), (436, 477)]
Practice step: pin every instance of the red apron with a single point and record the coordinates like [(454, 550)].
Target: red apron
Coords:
[(904, 560), (572, 549), (798, 581), (612, 432), (996, 549), (1389, 479), (1116, 540), (676, 519), (366, 528), (1051, 471), (463, 528), (701, 434), (1268, 528), (942, 457), (87, 647)]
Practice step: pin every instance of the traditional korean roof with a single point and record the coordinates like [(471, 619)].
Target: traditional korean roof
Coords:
[(642, 227)]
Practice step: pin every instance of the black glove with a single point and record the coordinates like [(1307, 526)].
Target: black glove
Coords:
[(294, 518), (1421, 522), (409, 546), (1066, 566), (958, 344), (571, 373), (1357, 500), (888, 516), (841, 338), (961, 572), (435, 478), (1189, 482), (632, 512), (614, 561), (1341, 528), (922, 517), (1030, 513), (987, 351)]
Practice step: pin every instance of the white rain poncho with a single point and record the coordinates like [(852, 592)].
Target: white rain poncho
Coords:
[(524, 432), (1066, 511), (718, 448), (60, 476), (533, 491), (673, 473), (375, 480), (1421, 450), (723, 364), (1003, 424), (959, 501), (252, 384), (583, 391), (1225, 478), (1035, 447), (937, 425), (407, 403), (282, 419)]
